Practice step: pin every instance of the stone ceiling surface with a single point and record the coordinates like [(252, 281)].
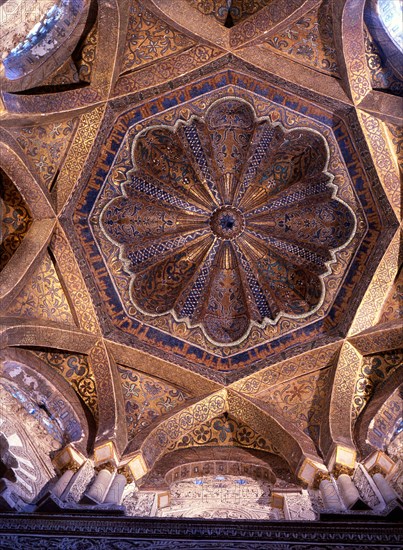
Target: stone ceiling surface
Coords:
[(201, 228)]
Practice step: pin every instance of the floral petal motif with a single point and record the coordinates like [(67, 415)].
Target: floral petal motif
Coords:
[(230, 124), (327, 224), (161, 155), (128, 222), (298, 155), (157, 289), (226, 317), (227, 221)]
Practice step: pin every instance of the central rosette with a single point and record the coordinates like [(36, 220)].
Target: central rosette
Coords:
[(227, 221)]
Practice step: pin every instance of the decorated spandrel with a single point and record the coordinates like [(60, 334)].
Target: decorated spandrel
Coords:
[(228, 221)]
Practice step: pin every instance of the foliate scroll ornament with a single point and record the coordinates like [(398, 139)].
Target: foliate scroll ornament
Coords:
[(340, 469), (388, 172), (81, 481), (299, 507), (341, 414), (74, 282), (227, 222), (168, 432), (83, 142), (380, 71), (150, 39), (75, 369), (15, 219), (99, 362), (374, 370), (87, 55), (310, 40), (376, 295), (354, 52), (366, 488)]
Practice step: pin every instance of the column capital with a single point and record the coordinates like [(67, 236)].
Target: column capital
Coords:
[(106, 453), (379, 462), (68, 458), (137, 466), (310, 470), (342, 460)]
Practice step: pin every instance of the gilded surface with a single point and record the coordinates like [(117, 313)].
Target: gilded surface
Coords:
[(76, 370), (302, 401), (45, 147), (15, 219), (310, 41), (87, 55), (81, 146), (386, 423), (74, 282), (229, 12), (262, 382), (374, 369), (392, 309), (224, 432), (381, 74), (220, 196), (146, 398), (171, 430), (43, 296), (343, 393), (388, 172), (372, 303), (99, 364), (149, 39), (114, 253), (186, 222)]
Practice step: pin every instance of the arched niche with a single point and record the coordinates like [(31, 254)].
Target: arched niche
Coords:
[(34, 47), (25, 450), (44, 394)]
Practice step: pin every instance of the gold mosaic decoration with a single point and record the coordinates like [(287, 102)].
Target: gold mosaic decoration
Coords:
[(45, 146), (388, 172), (149, 39), (393, 307), (81, 146), (374, 369), (74, 283), (302, 401), (15, 219), (386, 421), (382, 76), (43, 296), (75, 369), (87, 55), (66, 74), (310, 41), (224, 432), (288, 400), (371, 304), (395, 134), (262, 383), (229, 13), (146, 398)]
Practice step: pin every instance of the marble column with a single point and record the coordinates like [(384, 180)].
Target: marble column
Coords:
[(330, 496), (62, 483), (115, 493), (100, 487), (348, 491), (385, 489)]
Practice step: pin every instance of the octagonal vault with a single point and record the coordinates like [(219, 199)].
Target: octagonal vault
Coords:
[(228, 224)]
